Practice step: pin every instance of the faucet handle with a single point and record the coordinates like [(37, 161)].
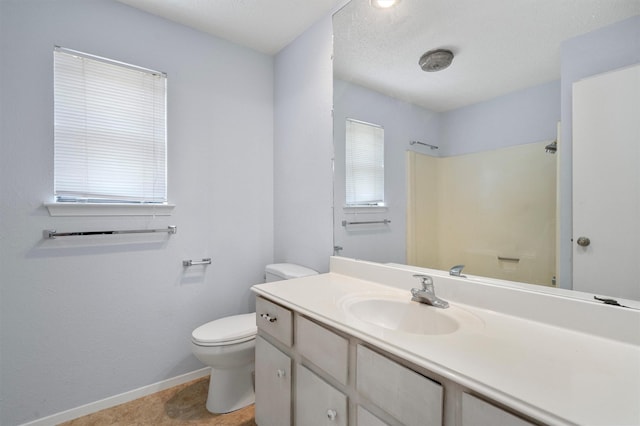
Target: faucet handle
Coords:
[(456, 271), (425, 280)]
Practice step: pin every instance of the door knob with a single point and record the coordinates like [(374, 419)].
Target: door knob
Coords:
[(583, 241)]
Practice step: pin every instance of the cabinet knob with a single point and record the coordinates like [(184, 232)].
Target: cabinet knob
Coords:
[(268, 318), (332, 414), (281, 373)]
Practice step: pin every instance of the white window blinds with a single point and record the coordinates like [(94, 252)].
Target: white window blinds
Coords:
[(364, 164), (110, 130)]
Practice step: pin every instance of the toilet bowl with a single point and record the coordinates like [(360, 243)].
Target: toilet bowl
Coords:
[(227, 345)]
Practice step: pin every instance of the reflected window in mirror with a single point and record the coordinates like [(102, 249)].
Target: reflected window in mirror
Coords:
[(364, 164)]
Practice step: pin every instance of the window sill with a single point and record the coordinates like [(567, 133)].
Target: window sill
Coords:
[(364, 209), (97, 209)]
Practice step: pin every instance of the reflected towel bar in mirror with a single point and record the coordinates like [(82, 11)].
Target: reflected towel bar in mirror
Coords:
[(206, 261), (52, 233), (384, 221), (509, 259)]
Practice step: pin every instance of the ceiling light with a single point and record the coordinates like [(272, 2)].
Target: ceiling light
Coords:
[(383, 4)]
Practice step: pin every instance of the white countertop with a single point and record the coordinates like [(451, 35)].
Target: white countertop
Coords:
[(556, 375)]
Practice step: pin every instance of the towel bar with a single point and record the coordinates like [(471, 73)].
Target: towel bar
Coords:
[(52, 233)]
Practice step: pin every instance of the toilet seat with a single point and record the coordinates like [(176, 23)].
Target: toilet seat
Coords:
[(226, 331)]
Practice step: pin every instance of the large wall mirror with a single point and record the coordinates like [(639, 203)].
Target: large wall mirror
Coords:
[(477, 155)]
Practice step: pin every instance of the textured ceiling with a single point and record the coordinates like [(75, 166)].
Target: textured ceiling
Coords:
[(263, 25), (500, 45)]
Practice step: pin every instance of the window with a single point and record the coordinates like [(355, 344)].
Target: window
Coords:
[(110, 131), (364, 164)]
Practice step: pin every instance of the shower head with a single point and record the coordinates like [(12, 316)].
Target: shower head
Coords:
[(551, 148)]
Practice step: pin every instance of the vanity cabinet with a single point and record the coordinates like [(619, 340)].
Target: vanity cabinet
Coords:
[(308, 374), (477, 412)]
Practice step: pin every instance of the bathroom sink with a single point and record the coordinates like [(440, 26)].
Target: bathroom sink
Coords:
[(402, 314)]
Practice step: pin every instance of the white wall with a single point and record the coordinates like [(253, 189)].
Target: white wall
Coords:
[(90, 317), (303, 149)]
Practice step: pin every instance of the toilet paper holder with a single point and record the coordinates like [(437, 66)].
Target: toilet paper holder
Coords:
[(206, 261)]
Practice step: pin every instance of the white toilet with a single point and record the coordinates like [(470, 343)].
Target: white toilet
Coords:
[(227, 345)]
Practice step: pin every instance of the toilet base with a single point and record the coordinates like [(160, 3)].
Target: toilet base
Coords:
[(231, 390)]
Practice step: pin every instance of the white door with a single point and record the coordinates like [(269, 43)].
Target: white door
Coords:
[(606, 184)]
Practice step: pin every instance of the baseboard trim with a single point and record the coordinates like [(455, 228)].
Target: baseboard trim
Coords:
[(92, 407)]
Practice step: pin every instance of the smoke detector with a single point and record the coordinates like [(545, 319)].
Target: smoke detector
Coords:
[(436, 60)]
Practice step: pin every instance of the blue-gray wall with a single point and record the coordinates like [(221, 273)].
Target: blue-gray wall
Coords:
[(303, 149), (526, 116), (403, 122), (87, 318)]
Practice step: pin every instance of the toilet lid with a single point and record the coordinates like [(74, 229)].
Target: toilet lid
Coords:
[(227, 330)]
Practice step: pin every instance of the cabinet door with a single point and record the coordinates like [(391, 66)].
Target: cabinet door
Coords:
[(323, 348), (273, 385), (317, 402), (476, 412), (365, 418), (407, 396)]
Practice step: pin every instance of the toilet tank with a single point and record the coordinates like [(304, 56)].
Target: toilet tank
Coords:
[(286, 271)]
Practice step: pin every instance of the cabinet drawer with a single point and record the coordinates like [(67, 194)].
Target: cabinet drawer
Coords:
[(317, 402), (323, 348), (476, 412), (274, 320), (273, 385), (406, 395)]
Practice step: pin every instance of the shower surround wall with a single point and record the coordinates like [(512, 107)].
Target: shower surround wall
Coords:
[(86, 318), (485, 210)]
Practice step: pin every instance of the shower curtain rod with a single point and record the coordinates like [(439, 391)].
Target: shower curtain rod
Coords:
[(422, 143)]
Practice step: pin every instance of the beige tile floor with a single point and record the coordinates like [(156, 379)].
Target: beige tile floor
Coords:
[(180, 405)]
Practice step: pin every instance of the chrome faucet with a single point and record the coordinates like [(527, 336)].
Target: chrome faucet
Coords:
[(456, 271), (428, 293)]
